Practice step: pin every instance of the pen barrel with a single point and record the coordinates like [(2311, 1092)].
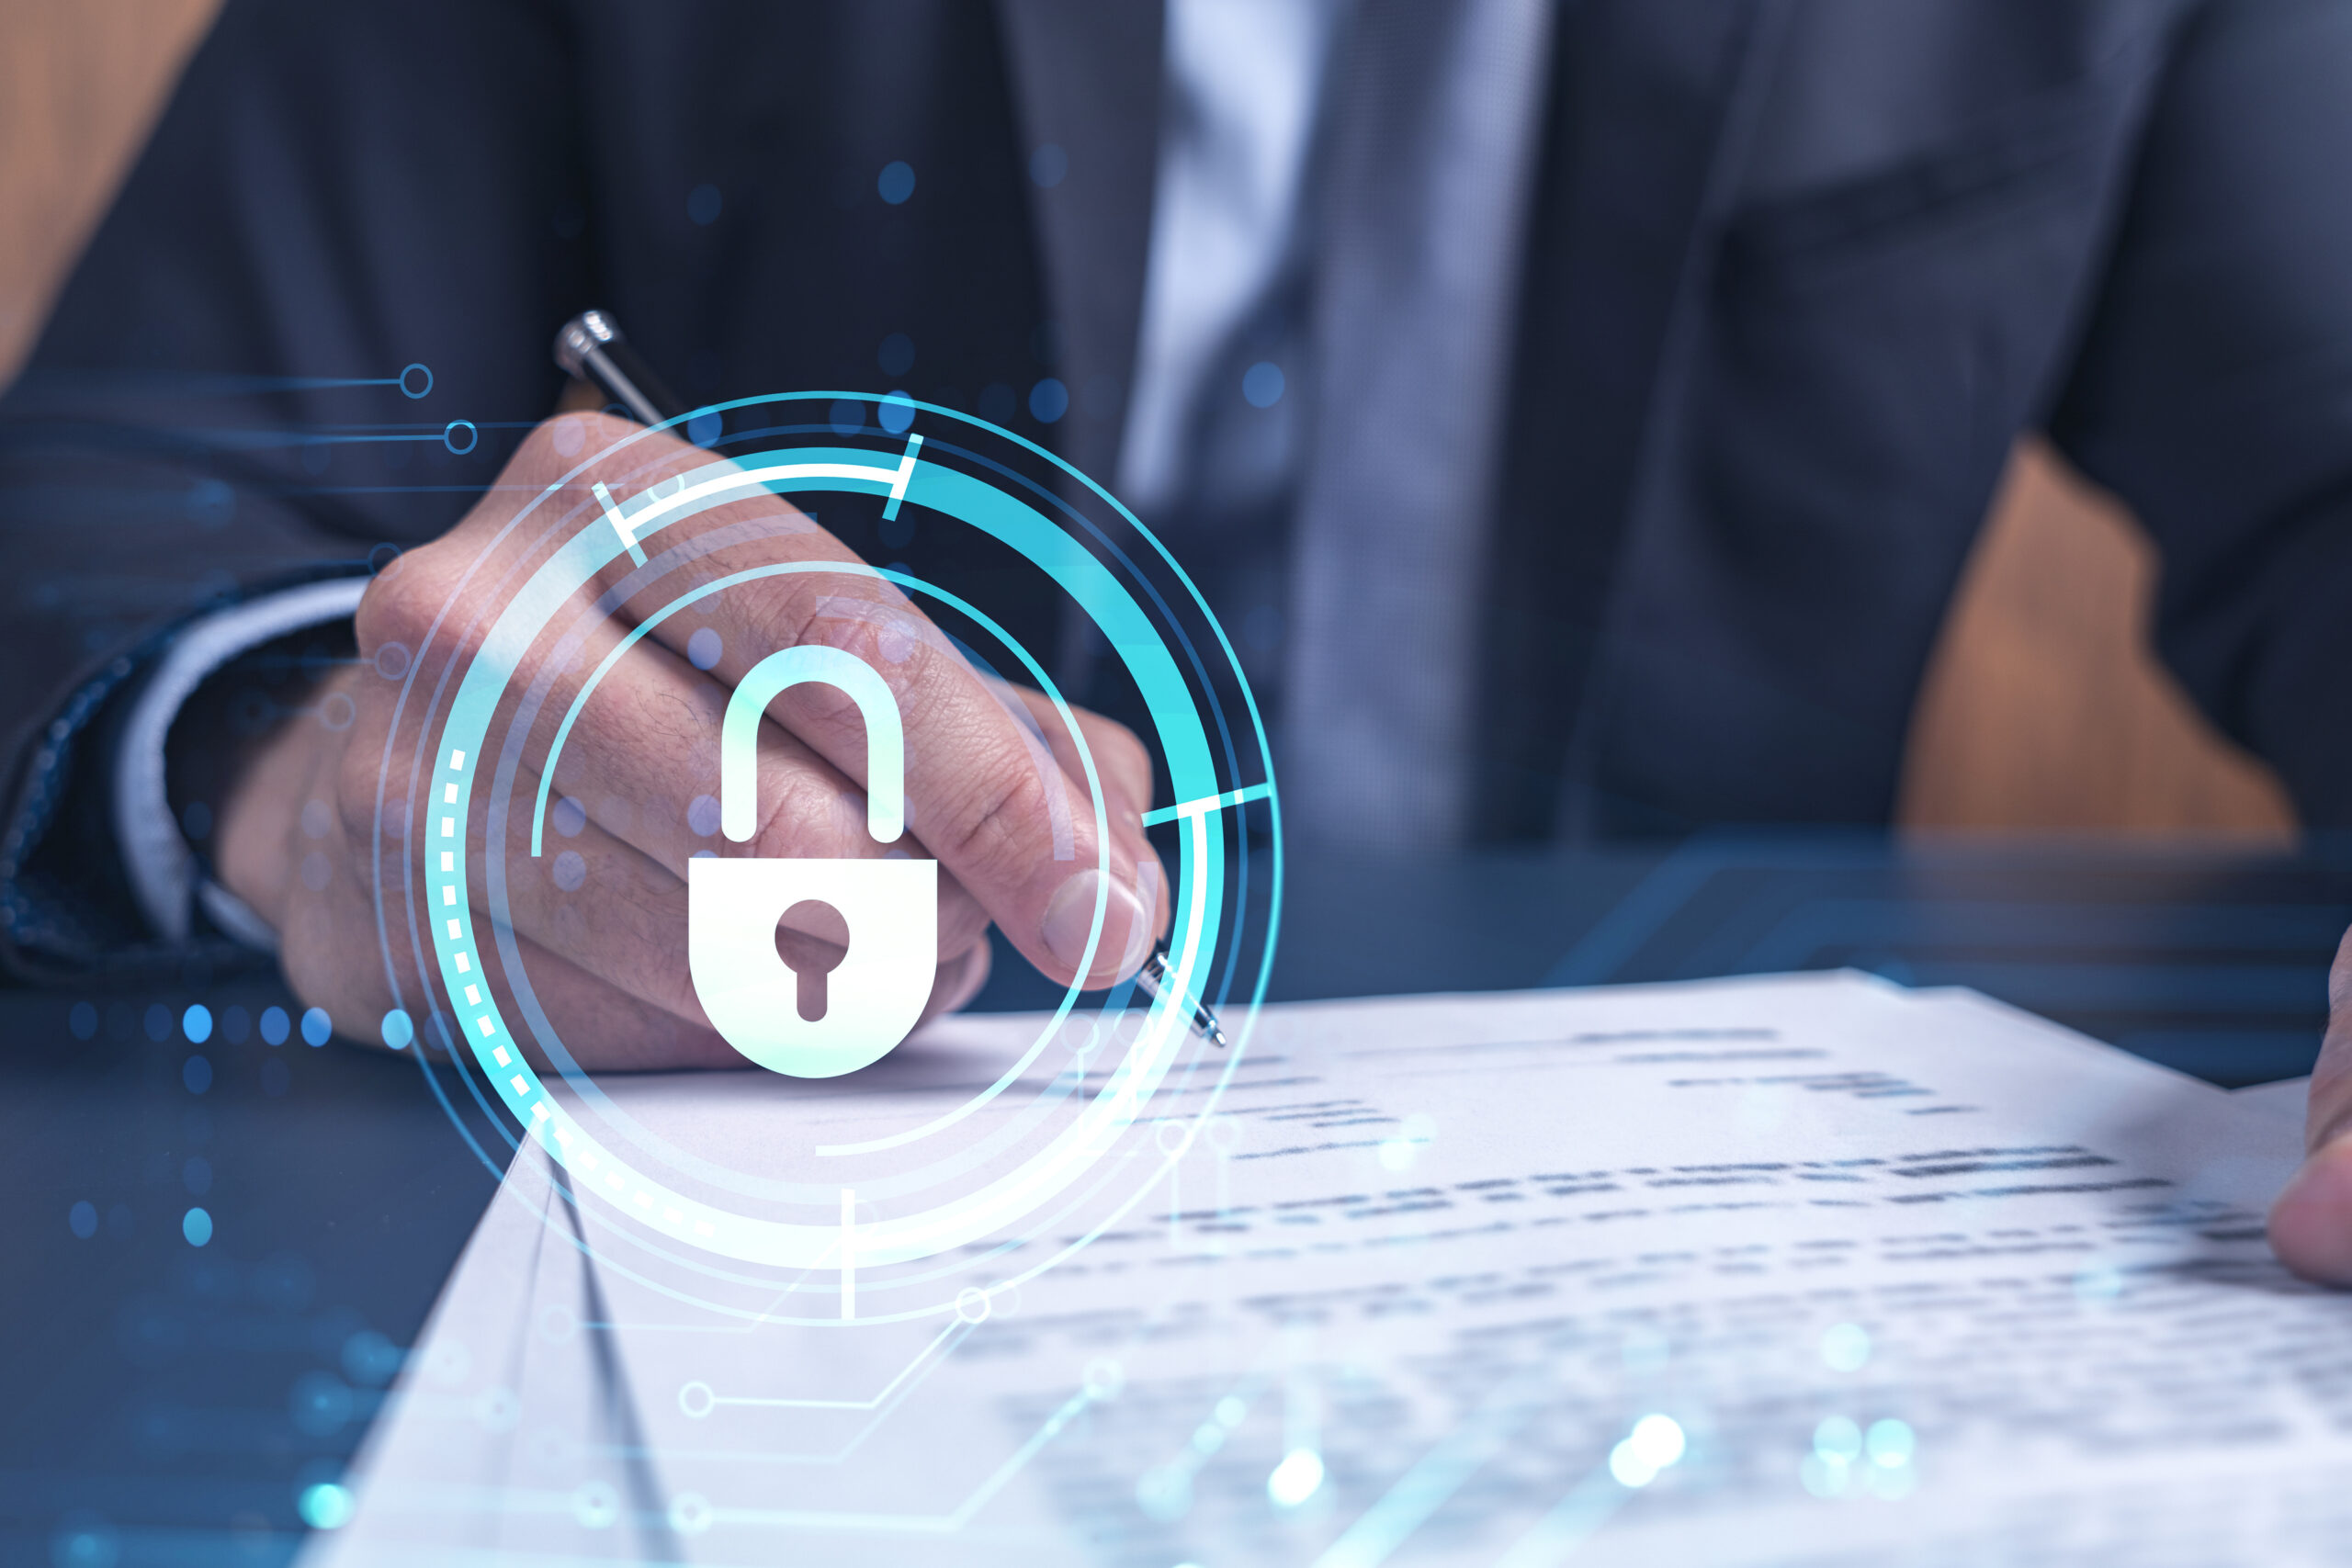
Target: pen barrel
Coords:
[(591, 347)]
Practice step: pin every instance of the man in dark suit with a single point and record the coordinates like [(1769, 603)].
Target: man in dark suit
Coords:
[(1585, 408)]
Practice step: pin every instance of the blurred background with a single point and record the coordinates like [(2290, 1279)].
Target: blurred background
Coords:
[(2043, 710)]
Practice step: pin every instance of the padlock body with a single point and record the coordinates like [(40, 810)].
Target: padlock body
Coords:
[(872, 999)]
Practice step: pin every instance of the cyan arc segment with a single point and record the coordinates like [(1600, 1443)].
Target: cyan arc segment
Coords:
[(885, 736)]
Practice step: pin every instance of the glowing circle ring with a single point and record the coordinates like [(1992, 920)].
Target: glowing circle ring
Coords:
[(466, 737)]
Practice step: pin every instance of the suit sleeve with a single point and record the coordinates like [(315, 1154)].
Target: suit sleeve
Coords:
[(313, 326), (2213, 391)]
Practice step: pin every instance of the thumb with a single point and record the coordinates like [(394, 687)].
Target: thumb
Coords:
[(2311, 1224)]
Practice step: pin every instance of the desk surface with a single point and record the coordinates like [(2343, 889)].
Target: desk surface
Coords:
[(169, 1402)]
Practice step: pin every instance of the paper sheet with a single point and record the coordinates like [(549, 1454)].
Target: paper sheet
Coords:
[(1913, 1277)]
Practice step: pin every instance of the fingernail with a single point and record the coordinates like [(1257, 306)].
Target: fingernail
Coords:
[(1069, 920)]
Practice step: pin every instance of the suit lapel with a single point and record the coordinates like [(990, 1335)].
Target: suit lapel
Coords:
[(1652, 115), (1086, 78)]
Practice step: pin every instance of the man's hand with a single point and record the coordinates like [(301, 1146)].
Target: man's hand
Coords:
[(994, 789), (2311, 1224)]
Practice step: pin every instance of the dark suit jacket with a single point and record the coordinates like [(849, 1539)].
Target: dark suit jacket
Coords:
[(1801, 270)]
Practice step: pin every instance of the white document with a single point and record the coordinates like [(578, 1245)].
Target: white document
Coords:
[(1807, 1270)]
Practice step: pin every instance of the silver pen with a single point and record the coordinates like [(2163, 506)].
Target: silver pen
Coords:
[(1154, 977)]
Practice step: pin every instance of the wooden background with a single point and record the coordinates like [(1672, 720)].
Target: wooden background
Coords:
[(2043, 709)]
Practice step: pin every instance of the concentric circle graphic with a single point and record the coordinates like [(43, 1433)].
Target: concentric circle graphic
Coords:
[(934, 1181)]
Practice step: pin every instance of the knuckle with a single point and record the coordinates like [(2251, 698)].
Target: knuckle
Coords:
[(802, 812), (993, 838)]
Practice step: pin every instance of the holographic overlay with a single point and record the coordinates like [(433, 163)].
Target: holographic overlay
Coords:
[(1032, 1155)]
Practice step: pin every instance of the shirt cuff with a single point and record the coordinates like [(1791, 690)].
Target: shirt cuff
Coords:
[(166, 879)]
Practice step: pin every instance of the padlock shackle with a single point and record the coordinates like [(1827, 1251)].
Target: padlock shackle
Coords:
[(886, 739)]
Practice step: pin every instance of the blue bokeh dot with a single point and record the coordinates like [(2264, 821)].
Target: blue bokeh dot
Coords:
[(1048, 165), (399, 1029), (896, 412), (1048, 400), (895, 182), (83, 1218), (82, 1020), (317, 1027), (1261, 384), (197, 1073), (84, 1540), (848, 416), (703, 649), (324, 1506), (158, 1020), (274, 1025), (703, 429), (197, 1023), (197, 1225), (703, 204), (897, 354)]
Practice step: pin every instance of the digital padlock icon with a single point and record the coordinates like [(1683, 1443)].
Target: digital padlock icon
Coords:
[(874, 997)]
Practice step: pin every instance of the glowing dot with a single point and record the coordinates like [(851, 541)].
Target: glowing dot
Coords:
[(702, 816), (197, 1225), (2098, 1282), (324, 1506), (895, 182), (197, 1023), (1845, 1347), (1657, 1440), (1230, 1410), (84, 1219), (274, 1025), (1629, 1467), (317, 1027), (1837, 1438), (1048, 400), (1891, 1443), (399, 1030), (569, 870), (897, 413), (703, 649), (703, 429), (1297, 1479), (82, 1020), (1261, 384), (197, 1074), (1825, 1477)]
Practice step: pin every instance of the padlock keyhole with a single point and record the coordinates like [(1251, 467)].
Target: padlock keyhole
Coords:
[(812, 939)]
